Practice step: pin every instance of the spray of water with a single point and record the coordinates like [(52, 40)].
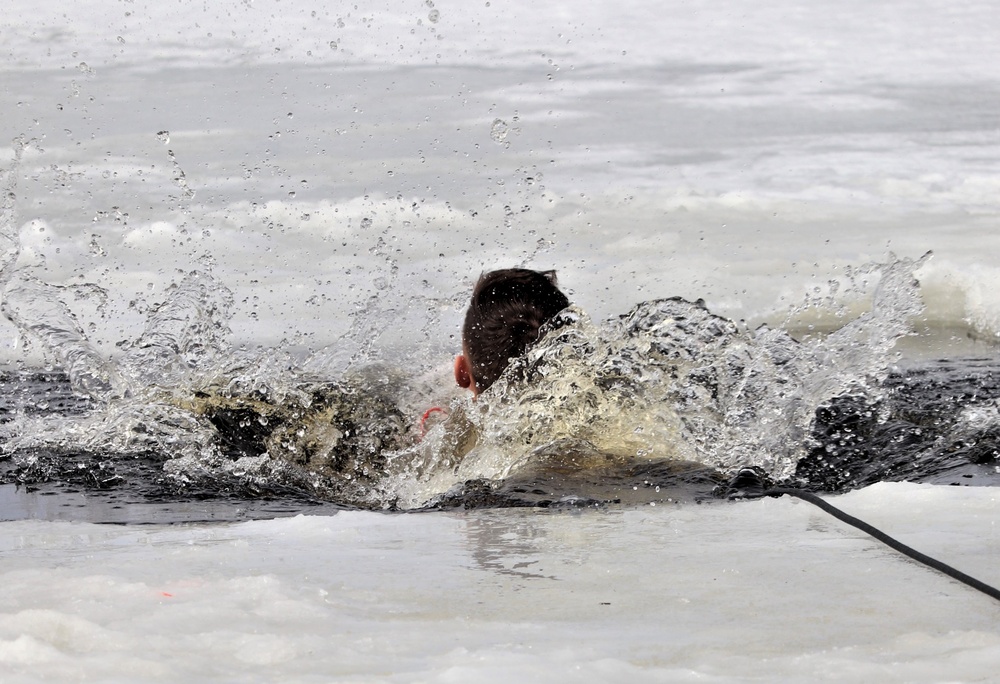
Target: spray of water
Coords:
[(667, 382), (39, 310)]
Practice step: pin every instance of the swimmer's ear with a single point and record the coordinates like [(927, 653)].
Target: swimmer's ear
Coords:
[(463, 371)]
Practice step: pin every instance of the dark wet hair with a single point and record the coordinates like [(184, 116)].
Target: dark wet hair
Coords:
[(507, 309)]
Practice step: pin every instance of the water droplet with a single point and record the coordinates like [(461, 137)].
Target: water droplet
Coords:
[(95, 247), (163, 137), (333, 45), (433, 16), (366, 223), (499, 130)]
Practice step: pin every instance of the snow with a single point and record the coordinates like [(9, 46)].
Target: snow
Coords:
[(745, 591)]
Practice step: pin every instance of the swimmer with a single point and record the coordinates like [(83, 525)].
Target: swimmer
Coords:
[(507, 309)]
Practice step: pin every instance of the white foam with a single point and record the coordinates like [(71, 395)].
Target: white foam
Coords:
[(957, 294)]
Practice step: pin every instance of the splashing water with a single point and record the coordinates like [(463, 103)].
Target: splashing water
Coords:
[(39, 310), (184, 338), (669, 381), (666, 383)]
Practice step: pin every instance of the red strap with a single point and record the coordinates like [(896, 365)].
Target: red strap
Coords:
[(427, 414)]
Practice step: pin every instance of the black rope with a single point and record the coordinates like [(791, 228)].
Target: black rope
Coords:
[(992, 592)]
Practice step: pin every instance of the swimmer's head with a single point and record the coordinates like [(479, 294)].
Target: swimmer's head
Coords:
[(507, 309)]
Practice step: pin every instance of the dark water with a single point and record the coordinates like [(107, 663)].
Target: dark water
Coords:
[(936, 422), (68, 484)]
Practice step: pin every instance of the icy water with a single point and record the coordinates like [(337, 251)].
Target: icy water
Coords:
[(236, 243)]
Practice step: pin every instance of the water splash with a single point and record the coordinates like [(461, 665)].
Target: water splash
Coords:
[(180, 178), (668, 381), (39, 310), (10, 242), (184, 337)]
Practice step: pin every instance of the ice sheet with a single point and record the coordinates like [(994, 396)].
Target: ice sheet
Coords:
[(747, 591)]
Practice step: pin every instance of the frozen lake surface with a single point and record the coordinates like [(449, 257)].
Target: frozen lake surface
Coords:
[(257, 199), (753, 591)]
